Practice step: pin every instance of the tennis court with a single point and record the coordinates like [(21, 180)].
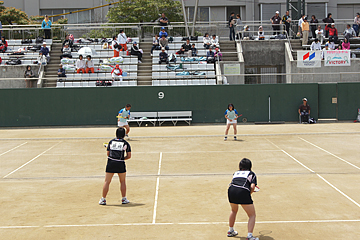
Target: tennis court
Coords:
[(51, 181)]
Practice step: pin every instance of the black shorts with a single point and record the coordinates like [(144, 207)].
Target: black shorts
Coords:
[(238, 195), (115, 166)]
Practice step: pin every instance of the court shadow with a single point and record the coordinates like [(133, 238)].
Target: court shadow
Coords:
[(240, 140), (126, 205), (261, 237)]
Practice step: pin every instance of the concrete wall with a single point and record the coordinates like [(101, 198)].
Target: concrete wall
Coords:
[(269, 53), (15, 75)]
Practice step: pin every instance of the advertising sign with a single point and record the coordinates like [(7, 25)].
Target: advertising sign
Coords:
[(308, 59), (337, 58)]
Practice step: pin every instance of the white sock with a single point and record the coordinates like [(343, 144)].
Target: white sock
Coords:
[(249, 235), (231, 229), (124, 198)]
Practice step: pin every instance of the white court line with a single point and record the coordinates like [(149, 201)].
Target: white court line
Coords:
[(157, 190), (330, 153), (31, 160), (322, 178), (13, 148)]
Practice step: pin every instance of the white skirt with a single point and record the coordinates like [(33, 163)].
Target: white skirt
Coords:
[(121, 124), (231, 121)]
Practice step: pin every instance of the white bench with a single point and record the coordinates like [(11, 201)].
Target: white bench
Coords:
[(140, 117), (174, 117)]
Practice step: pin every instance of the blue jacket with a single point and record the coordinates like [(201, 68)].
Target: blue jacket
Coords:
[(45, 51), (210, 54), (163, 33), (46, 26)]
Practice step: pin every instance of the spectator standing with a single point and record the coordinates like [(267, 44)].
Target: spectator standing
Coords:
[(46, 25), (136, 51), (193, 50), (261, 35), (276, 21), (319, 33), (313, 24), (185, 48), (349, 32), (61, 72), (207, 41), (163, 20), (163, 56), (346, 44), (3, 44), (89, 65), (45, 51), (0, 30), (210, 56), (239, 26), (305, 29), (218, 55), (122, 40), (301, 20), (356, 25), (80, 64), (66, 52), (156, 44), (315, 45), (164, 42), (116, 47), (163, 32), (232, 23), (328, 21), (333, 33), (116, 73), (286, 19), (28, 74), (304, 111)]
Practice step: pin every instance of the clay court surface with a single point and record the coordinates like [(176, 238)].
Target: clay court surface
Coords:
[(51, 181)]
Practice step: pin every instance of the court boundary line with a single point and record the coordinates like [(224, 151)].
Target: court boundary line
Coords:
[(157, 189), (30, 160), (353, 165), (13, 149), (322, 178), (182, 136), (182, 223)]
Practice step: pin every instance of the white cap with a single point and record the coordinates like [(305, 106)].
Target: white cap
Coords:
[(44, 43), (277, 12), (304, 99), (333, 24)]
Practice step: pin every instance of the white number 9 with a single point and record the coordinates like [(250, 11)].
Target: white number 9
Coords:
[(161, 95)]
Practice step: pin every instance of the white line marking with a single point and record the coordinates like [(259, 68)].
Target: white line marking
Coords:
[(157, 190), (31, 160), (12, 227), (13, 149), (353, 201), (330, 153)]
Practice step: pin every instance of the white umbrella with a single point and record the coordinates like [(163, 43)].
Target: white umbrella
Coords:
[(85, 51)]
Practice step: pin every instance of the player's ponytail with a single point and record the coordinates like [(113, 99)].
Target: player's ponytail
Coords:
[(120, 133), (245, 164)]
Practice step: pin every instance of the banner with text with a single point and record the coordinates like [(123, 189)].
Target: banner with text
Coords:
[(308, 59), (337, 58)]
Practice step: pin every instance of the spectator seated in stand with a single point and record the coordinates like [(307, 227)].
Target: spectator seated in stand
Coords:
[(214, 42), (185, 48), (315, 45), (45, 51), (136, 51), (210, 56), (304, 111), (325, 49), (163, 32), (164, 42), (349, 32), (61, 72), (80, 64), (116, 73), (66, 52), (331, 44), (320, 34), (156, 44), (218, 55), (207, 41), (346, 44), (246, 34), (116, 47), (68, 42), (333, 33), (89, 64), (41, 60), (261, 35), (3, 44), (340, 46), (193, 50), (163, 56)]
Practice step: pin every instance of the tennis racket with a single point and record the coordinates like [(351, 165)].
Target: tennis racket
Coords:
[(256, 189)]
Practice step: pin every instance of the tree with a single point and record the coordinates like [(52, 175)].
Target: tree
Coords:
[(132, 11), (10, 15)]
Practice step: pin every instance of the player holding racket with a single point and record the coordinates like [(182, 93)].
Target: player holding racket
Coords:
[(124, 114), (231, 116), (239, 192), (116, 164)]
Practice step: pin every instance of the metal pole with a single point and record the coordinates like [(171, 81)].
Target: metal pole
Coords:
[(195, 15), (185, 20), (269, 109)]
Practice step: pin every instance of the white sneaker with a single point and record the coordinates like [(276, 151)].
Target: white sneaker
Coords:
[(140, 61), (232, 234), (225, 138), (102, 201), (125, 201), (252, 238), (126, 135)]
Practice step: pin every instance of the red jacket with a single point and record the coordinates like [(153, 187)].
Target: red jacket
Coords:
[(119, 74), (333, 32)]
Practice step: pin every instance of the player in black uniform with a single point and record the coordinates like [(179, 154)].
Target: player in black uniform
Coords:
[(116, 164), (239, 192)]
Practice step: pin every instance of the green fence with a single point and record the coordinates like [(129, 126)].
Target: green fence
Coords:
[(99, 106)]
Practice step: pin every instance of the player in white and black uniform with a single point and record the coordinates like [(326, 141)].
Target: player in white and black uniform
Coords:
[(116, 164), (239, 192)]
